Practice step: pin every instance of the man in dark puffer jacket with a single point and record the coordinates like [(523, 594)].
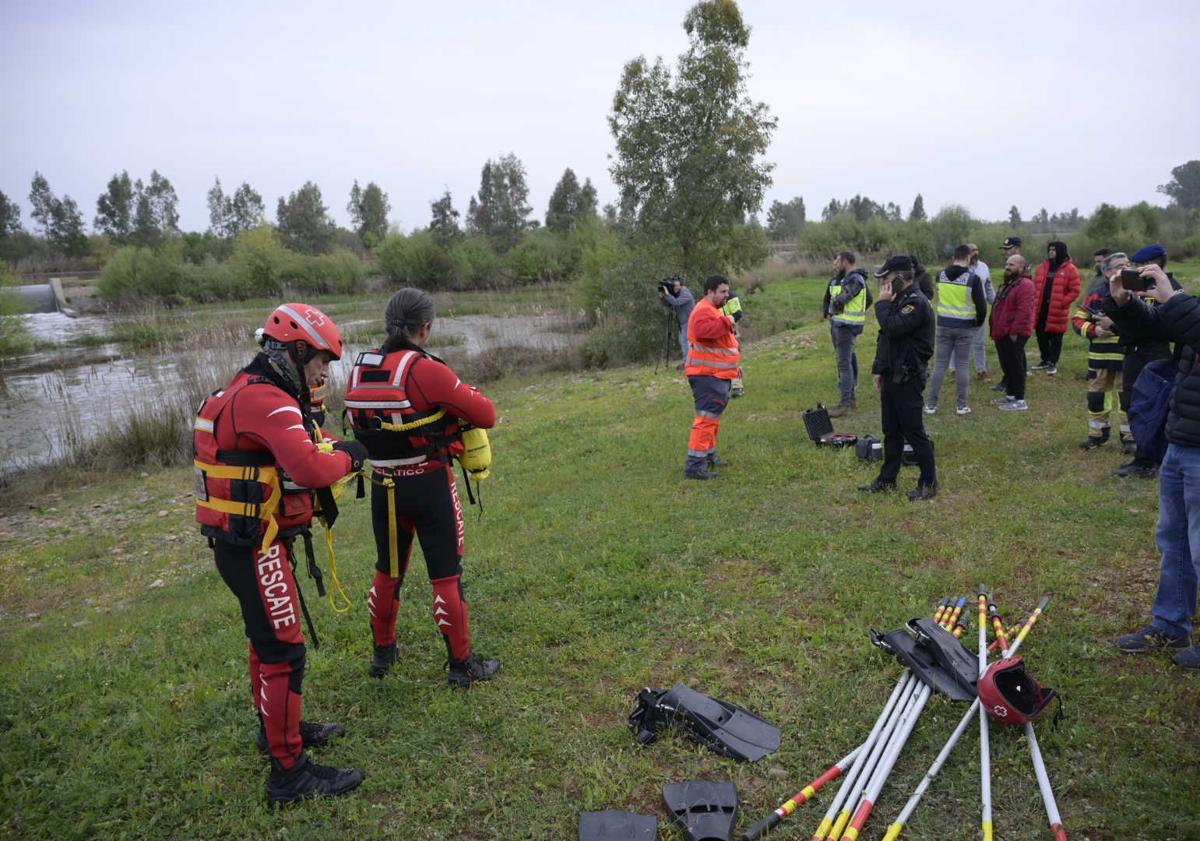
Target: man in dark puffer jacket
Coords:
[(1175, 319)]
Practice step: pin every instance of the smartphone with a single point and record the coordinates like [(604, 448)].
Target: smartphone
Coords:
[(1132, 280)]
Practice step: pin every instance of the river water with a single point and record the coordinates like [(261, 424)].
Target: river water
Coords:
[(56, 398)]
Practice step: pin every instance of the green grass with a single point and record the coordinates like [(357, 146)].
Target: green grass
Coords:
[(596, 570)]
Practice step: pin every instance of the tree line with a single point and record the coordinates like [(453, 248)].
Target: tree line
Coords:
[(691, 172)]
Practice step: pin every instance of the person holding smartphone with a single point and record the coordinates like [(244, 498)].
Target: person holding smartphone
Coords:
[(1173, 317), (1140, 349)]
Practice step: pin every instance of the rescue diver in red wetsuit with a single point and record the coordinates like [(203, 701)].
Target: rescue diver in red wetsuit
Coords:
[(256, 461), (408, 408)]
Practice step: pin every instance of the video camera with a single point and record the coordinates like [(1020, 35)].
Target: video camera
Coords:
[(667, 284)]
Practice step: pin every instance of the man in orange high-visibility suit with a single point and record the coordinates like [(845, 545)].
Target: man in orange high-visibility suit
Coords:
[(713, 360)]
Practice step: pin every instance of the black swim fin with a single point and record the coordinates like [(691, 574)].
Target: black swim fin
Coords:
[(704, 811), (721, 726), (617, 826)]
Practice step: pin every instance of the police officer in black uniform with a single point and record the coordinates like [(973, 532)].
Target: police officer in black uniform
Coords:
[(906, 328)]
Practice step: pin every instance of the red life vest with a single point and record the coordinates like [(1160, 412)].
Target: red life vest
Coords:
[(242, 497), (398, 437)]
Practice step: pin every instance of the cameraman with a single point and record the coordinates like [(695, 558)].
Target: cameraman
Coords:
[(1175, 318), (672, 293)]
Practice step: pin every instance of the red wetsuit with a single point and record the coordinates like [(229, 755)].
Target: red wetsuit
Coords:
[(425, 495), (256, 422)]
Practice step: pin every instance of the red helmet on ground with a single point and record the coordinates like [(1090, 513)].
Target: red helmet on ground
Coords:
[(303, 323), (1010, 694)]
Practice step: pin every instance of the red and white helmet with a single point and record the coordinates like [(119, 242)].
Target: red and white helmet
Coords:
[(1010, 695), (303, 323)]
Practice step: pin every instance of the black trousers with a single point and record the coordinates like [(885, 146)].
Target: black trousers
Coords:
[(1136, 358), (902, 418), (1012, 363), (1049, 346)]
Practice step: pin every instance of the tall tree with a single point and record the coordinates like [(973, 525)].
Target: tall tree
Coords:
[(114, 209), (563, 210), (690, 144), (951, 226), (228, 216), (1184, 186), (831, 210), (220, 207), (10, 217), (587, 199), (570, 203), (1105, 224), (60, 220), (304, 222), (1014, 217), (917, 213), (368, 209), (246, 210), (500, 210), (785, 220), (444, 222), (156, 214)]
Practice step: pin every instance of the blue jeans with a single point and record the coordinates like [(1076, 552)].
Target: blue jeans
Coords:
[(847, 361), (1178, 536)]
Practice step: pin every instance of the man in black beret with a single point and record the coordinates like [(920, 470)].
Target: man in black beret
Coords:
[(906, 329)]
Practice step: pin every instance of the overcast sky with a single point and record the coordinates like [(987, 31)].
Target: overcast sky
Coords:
[(1051, 104)]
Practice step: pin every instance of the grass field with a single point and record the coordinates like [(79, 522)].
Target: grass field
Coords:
[(596, 570)]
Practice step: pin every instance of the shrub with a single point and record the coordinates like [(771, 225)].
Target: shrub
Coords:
[(416, 260), (537, 258), (626, 312), (475, 263), (258, 262), (14, 337), (136, 274)]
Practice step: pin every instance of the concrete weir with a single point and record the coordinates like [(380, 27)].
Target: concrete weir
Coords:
[(44, 297)]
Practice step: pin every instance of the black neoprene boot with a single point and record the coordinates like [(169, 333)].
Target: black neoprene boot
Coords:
[(462, 673), (308, 779), (312, 735), (384, 656)]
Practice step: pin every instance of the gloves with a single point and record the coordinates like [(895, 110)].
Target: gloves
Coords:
[(356, 451)]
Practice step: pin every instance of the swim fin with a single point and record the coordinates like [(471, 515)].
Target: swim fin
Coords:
[(704, 811), (718, 725), (617, 826)]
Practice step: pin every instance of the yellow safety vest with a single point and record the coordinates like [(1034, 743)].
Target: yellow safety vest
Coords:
[(855, 311), (954, 298)]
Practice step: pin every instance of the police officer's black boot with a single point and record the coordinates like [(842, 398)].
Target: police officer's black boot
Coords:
[(462, 673), (383, 658), (308, 779), (878, 486), (312, 734)]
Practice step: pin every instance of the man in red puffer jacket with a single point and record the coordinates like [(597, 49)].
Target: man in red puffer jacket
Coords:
[(1056, 283), (1012, 325)]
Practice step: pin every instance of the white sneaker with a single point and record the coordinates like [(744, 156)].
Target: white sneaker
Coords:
[(1014, 406), (1000, 401), (930, 410), (1051, 369), (963, 410)]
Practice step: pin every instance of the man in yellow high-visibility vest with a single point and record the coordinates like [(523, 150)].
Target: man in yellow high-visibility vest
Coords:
[(845, 306)]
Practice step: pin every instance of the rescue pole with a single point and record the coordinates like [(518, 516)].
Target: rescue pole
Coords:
[(801, 797), (1039, 768), (854, 787), (886, 764), (911, 806), (985, 746), (941, 615)]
